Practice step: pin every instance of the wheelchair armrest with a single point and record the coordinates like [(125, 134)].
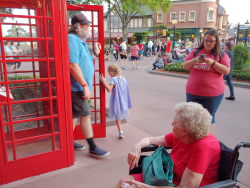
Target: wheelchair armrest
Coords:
[(152, 148), (222, 184)]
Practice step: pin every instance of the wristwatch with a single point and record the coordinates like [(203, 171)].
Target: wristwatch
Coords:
[(95, 53)]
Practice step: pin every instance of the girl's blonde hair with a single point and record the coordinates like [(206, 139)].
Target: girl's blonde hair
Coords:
[(134, 43), (115, 69)]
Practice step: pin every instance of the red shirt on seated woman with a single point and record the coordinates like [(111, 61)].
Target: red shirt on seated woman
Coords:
[(195, 150)]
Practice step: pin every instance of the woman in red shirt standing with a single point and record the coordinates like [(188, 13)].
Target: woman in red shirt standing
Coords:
[(205, 83), (134, 54)]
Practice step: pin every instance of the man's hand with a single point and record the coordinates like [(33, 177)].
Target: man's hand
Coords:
[(86, 93), (97, 47)]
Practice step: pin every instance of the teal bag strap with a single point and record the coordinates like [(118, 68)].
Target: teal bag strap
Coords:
[(153, 168)]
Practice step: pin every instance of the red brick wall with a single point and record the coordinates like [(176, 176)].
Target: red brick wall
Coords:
[(200, 16)]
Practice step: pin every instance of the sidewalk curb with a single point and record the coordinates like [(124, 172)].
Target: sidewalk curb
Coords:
[(150, 71)]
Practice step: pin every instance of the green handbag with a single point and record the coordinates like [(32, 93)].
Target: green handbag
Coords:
[(157, 169)]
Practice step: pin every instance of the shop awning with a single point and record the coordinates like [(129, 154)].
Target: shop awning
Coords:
[(115, 35)]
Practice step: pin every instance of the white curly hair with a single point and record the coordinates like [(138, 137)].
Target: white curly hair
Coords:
[(195, 118)]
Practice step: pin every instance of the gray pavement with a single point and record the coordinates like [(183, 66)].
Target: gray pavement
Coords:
[(153, 98)]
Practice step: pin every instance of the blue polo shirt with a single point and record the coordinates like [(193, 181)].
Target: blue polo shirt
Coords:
[(79, 53)]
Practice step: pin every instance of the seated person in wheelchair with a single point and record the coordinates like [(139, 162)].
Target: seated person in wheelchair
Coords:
[(179, 53), (195, 150)]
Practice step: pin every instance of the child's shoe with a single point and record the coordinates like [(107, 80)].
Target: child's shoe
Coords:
[(121, 135)]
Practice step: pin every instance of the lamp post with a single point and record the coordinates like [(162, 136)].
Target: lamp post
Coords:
[(118, 39), (174, 21), (247, 24), (238, 31), (235, 33), (201, 30), (17, 28)]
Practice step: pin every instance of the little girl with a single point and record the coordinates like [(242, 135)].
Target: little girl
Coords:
[(120, 100)]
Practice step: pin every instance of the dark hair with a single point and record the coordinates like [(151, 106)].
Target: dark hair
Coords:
[(217, 48), (229, 45)]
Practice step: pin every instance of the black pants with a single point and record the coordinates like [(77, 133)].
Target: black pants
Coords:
[(18, 63), (116, 56)]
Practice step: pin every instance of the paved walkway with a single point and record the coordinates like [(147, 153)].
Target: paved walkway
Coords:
[(154, 98)]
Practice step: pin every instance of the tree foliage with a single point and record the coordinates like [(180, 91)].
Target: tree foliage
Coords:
[(158, 27), (6, 11), (241, 56), (12, 32), (142, 35), (126, 9)]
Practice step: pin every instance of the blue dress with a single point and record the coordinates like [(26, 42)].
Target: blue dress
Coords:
[(120, 100)]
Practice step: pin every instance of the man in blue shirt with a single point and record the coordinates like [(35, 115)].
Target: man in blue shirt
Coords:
[(82, 71)]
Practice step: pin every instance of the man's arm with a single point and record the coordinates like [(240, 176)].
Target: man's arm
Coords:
[(77, 74)]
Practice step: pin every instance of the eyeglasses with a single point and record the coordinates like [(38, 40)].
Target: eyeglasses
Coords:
[(209, 41)]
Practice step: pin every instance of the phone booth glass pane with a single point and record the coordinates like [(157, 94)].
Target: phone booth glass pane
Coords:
[(96, 107), (32, 122)]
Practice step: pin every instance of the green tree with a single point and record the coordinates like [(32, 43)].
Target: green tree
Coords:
[(12, 32), (240, 56), (5, 11), (126, 9)]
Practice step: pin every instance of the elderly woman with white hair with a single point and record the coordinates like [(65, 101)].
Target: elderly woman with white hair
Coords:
[(195, 150)]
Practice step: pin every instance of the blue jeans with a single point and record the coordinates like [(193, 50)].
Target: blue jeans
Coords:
[(210, 103), (228, 78)]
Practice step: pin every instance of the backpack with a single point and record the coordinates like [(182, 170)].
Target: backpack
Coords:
[(198, 50), (120, 48)]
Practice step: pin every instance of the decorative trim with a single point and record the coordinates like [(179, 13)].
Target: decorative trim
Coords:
[(189, 17), (170, 15), (180, 16), (157, 19)]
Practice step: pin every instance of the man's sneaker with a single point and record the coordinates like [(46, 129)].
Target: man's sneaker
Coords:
[(137, 67), (230, 98), (121, 68), (124, 67), (153, 68), (133, 68), (78, 147), (121, 135), (98, 153)]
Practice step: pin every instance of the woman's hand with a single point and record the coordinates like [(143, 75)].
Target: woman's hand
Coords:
[(208, 61), (102, 78), (134, 156), (136, 184)]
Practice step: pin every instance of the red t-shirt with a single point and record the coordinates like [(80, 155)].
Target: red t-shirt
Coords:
[(203, 79), (134, 51), (202, 156), (169, 44), (116, 48), (140, 46)]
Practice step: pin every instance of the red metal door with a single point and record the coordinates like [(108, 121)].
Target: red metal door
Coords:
[(34, 136), (94, 13)]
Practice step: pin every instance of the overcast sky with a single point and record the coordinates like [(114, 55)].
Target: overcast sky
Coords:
[(238, 11)]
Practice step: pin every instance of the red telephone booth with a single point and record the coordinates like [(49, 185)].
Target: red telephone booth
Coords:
[(36, 120)]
